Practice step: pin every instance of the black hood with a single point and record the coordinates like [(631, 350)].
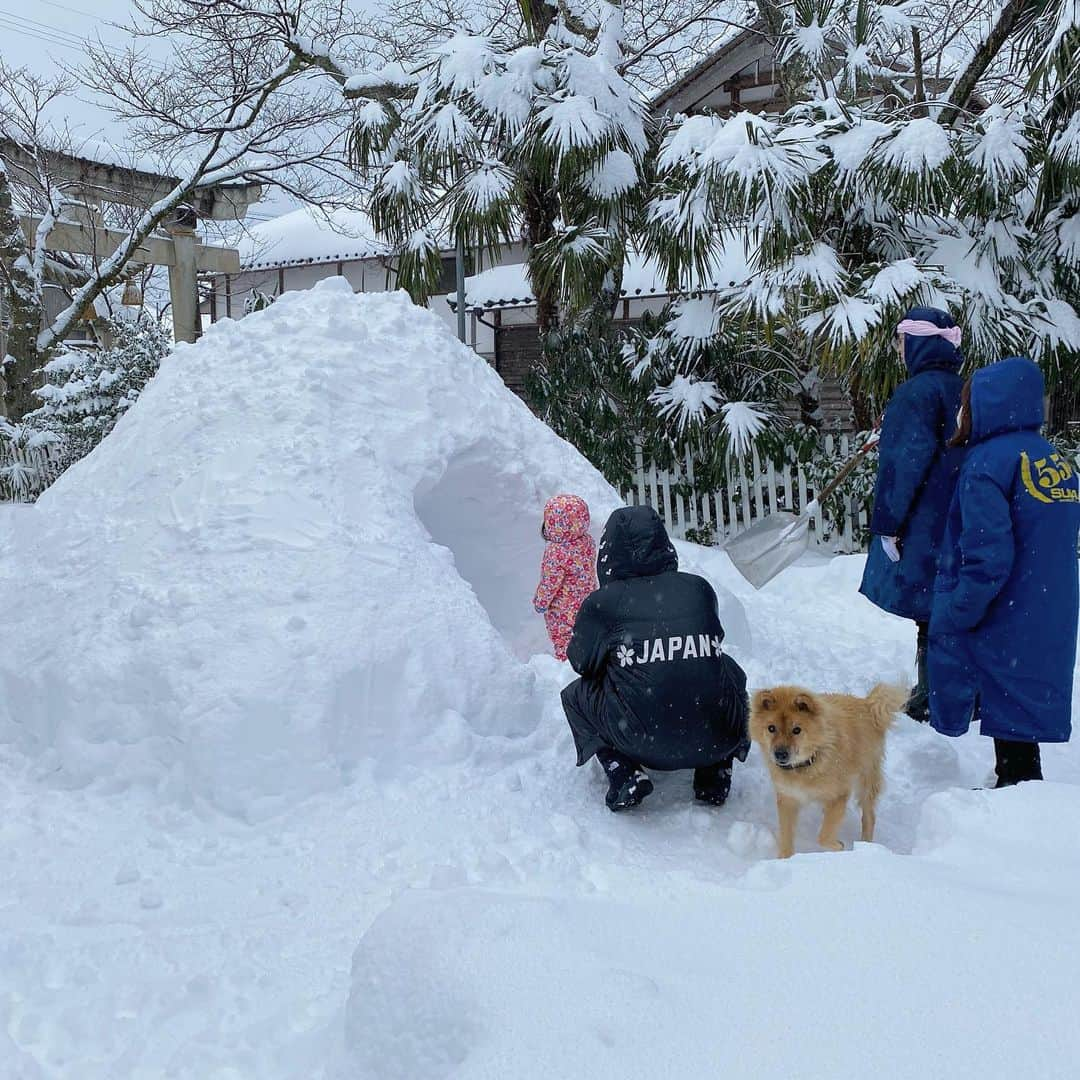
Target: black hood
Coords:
[(635, 544)]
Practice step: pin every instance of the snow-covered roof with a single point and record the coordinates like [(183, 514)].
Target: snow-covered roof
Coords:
[(309, 236), (508, 286), (726, 41)]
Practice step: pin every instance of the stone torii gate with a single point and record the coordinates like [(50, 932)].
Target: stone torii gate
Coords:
[(179, 249)]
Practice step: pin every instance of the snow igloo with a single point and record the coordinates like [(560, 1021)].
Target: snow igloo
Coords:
[(312, 541)]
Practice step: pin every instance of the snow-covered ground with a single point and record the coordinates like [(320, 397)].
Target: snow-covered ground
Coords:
[(284, 796)]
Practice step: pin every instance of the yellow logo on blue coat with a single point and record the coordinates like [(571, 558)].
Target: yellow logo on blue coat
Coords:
[(1047, 479)]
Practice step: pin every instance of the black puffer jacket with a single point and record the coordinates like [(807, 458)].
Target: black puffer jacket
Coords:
[(647, 645)]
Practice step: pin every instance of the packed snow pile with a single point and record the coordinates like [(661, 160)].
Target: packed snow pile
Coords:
[(312, 542)]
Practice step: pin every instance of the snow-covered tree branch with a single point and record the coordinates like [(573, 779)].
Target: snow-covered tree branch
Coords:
[(532, 134)]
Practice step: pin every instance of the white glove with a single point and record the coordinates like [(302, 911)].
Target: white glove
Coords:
[(889, 545)]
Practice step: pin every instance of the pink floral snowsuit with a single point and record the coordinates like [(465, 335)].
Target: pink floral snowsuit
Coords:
[(568, 572)]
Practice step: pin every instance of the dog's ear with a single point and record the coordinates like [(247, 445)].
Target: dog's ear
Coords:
[(805, 703), (764, 700)]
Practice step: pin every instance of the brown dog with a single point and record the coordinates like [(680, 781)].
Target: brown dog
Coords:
[(821, 748)]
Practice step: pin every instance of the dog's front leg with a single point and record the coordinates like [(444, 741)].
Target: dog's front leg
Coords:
[(787, 810), (869, 820), (830, 825)]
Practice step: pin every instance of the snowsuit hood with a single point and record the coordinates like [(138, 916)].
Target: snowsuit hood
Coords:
[(566, 518), (931, 353), (635, 544), (568, 570), (1007, 396)]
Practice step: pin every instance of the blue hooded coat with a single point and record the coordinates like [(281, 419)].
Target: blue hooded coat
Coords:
[(916, 473), (1003, 629)]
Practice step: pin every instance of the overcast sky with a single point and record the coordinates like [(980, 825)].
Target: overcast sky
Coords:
[(43, 35)]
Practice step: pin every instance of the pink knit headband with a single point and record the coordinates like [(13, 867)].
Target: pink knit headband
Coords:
[(922, 328)]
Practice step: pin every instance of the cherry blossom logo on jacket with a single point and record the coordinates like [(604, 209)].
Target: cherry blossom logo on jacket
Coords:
[(664, 650)]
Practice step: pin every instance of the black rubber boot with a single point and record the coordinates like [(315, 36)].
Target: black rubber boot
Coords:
[(712, 783), (1016, 762), (918, 702), (628, 784)]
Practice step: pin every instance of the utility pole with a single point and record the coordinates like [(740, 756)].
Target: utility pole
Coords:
[(460, 268)]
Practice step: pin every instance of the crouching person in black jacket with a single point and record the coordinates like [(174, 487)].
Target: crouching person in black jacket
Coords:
[(656, 689)]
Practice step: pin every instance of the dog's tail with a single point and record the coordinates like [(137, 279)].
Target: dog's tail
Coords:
[(885, 702)]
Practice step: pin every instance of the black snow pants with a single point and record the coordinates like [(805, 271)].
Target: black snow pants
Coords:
[(594, 732)]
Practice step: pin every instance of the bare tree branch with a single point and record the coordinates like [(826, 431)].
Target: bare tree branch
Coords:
[(232, 103), (1010, 20)]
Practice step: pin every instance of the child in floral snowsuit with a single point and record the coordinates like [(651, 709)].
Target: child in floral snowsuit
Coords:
[(568, 572)]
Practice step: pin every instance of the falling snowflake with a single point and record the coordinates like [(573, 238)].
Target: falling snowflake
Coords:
[(625, 656)]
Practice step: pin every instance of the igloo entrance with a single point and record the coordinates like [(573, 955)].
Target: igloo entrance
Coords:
[(490, 520)]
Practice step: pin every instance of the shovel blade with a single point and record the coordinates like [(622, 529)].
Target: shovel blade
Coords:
[(769, 546)]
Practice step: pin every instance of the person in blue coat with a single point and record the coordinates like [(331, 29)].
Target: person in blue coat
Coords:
[(917, 471), (1004, 622)]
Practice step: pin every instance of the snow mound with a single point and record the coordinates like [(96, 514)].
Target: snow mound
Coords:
[(313, 542)]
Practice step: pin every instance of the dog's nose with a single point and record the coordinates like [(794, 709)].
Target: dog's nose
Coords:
[(781, 754)]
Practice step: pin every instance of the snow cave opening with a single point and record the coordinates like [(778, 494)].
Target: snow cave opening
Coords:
[(487, 517)]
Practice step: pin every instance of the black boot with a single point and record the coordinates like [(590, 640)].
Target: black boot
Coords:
[(1016, 762), (628, 783), (712, 783), (918, 702)]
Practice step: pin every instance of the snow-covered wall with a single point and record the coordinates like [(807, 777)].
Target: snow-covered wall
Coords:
[(311, 544)]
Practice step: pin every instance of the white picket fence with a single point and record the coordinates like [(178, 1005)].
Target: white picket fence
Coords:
[(755, 489)]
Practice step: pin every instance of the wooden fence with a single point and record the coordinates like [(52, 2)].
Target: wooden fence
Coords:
[(755, 488)]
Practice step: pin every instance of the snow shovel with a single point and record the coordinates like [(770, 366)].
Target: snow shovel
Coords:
[(775, 542)]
